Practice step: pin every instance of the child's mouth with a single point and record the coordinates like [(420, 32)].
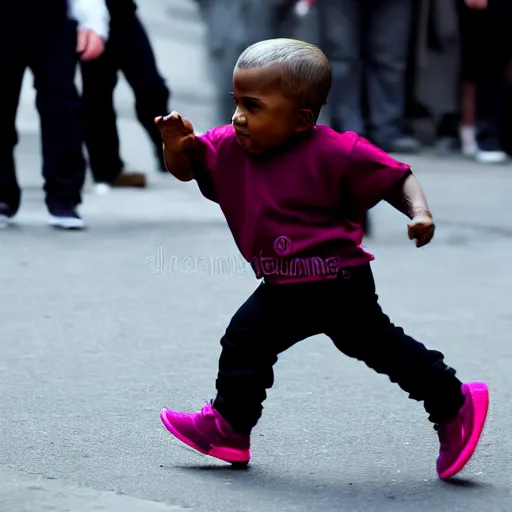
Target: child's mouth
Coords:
[(240, 133), (242, 138), (245, 141)]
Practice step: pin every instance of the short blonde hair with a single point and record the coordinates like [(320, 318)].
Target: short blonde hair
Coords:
[(306, 70)]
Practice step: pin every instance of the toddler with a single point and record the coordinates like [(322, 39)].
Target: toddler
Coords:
[(294, 195)]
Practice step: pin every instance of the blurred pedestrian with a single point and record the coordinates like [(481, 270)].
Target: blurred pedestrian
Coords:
[(455, 25), (367, 42), (129, 51), (487, 47), (303, 9), (234, 25), (43, 37), (434, 53)]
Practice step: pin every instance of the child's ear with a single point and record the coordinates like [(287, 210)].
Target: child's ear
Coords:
[(306, 120)]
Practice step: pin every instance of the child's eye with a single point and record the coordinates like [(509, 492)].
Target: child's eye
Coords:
[(251, 105), (248, 104)]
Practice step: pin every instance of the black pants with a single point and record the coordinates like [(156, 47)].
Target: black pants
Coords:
[(128, 50), (276, 317), (54, 66), (367, 43)]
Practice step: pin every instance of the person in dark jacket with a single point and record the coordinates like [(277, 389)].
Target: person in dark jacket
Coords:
[(128, 50), (44, 37)]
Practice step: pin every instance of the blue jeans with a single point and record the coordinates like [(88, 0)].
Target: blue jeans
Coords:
[(367, 43)]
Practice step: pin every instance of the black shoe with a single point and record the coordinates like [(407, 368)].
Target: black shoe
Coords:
[(66, 218), (6, 213)]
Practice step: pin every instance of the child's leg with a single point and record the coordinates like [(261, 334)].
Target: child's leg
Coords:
[(361, 330), (273, 319)]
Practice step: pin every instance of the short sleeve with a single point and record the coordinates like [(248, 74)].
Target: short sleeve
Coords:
[(371, 174), (210, 142)]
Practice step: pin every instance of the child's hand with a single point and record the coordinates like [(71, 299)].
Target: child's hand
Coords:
[(477, 4), (421, 228), (177, 134)]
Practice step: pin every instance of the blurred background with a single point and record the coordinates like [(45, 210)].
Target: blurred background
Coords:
[(190, 37), (447, 101)]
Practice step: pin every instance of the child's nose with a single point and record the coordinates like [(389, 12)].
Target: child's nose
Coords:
[(238, 117)]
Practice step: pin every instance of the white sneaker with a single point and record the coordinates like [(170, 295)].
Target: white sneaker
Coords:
[(67, 220), (102, 189), (491, 157)]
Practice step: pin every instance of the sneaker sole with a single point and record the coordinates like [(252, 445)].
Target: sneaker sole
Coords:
[(491, 157), (102, 189), (235, 457), (69, 224), (479, 396)]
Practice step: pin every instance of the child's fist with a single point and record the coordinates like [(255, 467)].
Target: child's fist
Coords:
[(177, 133), (421, 228)]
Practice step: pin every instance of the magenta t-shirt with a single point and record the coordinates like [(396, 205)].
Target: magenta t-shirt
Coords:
[(296, 213)]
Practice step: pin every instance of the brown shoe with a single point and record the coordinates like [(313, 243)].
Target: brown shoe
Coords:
[(130, 179)]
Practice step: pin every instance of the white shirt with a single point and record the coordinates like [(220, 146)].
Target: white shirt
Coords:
[(91, 14)]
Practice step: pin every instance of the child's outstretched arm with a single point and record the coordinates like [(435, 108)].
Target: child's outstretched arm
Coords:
[(184, 156), (408, 197)]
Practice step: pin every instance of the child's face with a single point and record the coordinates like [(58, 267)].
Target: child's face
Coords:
[(264, 117)]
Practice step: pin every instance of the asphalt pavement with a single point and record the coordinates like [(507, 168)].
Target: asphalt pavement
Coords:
[(103, 328)]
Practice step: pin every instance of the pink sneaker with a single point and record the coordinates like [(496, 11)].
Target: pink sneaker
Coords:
[(460, 435), (208, 433)]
